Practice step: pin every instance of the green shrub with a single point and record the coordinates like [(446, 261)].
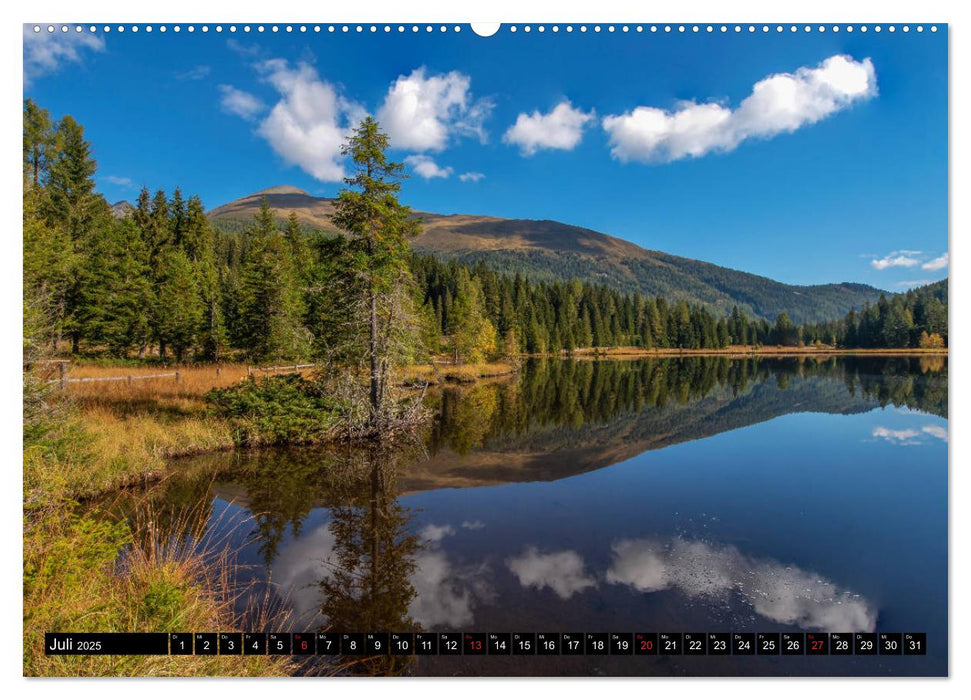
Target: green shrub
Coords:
[(276, 410), (164, 604)]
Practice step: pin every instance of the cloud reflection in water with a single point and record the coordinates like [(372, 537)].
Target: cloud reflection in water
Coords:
[(563, 571), (784, 594)]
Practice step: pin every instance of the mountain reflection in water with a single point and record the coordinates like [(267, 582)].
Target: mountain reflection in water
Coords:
[(502, 513)]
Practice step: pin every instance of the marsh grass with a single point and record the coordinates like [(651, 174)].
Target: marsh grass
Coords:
[(87, 570), (151, 573), (460, 374), (134, 427), (181, 397)]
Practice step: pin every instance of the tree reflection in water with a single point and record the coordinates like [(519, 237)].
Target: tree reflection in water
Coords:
[(367, 586)]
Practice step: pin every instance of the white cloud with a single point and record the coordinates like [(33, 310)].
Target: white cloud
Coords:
[(120, 181), (422, 113), (897, 437), (936, 264), (239, 102), (311, 122), (45, 52), (244, 50), (784, 594), (473, 524), (561, 571), (907, 284), (560, 129), (427, 168), (909, 258), (194, 73), (898, 258), (471, 177), (439, 599), (779, 103), (936, 431)]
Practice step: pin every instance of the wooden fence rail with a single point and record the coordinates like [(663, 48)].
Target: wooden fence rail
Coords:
[(287, 368), (63, 379)]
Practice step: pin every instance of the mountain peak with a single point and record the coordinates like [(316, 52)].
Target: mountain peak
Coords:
[(121, 209), (282, 189), (546, 249)]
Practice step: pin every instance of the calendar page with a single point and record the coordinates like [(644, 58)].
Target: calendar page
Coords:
[(524, 349)]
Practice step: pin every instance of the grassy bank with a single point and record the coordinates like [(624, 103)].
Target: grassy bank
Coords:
[(85, 572), (74, 581), (459, 374), (134, 427)]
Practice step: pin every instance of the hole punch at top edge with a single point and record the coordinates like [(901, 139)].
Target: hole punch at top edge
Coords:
[(485, 28)]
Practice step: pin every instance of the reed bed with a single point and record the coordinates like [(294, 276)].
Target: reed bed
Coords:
[(182, 394), (153, 572), (136, 426)]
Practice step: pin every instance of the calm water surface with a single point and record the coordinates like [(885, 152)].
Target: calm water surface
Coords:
[(698, 494)]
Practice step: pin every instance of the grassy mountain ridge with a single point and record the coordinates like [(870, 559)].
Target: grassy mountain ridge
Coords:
[(545, 249)]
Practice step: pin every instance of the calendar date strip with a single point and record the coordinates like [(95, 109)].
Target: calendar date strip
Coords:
[(489, 643)]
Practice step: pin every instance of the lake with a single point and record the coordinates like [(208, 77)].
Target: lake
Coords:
[(656, 495)]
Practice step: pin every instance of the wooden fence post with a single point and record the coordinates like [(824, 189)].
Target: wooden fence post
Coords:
[(129, 380), (218, 370), (176, 376), (62, 371)]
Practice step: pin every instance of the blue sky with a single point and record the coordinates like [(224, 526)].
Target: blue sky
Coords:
[(806, 157)]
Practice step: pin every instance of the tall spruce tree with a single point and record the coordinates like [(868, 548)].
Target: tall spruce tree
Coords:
[(72, 207), (38, 143), (71, 201), (270, 308), (180, 310), (473, 336), (378, 229), (113, 293), (199, 243)]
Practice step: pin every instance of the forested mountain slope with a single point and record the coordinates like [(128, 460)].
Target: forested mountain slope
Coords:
[(553, 250)]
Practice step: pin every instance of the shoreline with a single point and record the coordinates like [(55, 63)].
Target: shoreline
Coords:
[(739, 351), (139, 429)]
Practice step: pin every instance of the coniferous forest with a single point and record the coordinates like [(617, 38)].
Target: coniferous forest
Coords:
[(157, 280)]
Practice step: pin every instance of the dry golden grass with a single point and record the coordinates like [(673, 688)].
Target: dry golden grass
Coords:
[(165, 582), (130, 448), (748, 350), (471, 372), (136, 426), (193, 382)]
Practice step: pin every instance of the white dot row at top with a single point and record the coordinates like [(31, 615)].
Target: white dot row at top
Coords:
[(751, 28)]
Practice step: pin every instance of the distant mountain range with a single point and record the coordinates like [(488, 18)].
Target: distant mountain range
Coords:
[(543, 249)]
